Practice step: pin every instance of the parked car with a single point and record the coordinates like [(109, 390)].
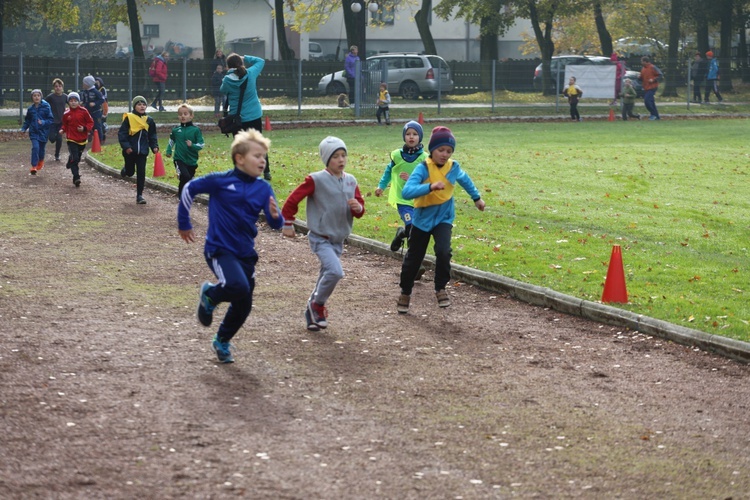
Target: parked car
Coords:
[(410, 75), (558, 63), (315, 50)]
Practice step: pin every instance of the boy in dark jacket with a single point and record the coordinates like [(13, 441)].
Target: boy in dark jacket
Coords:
[(137, 135), (58, 101), (76, 125), (93, 101), (38, 120)]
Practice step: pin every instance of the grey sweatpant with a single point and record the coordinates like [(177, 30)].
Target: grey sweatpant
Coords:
[(331, 272)]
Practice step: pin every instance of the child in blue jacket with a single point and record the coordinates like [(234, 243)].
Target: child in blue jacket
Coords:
[(38, 120), (136, 135), (431, 185), (236, 198)]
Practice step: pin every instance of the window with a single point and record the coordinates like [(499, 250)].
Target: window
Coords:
[(151, 30), (386, 14)]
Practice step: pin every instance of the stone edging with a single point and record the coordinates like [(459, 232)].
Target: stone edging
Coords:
[(531, 294)]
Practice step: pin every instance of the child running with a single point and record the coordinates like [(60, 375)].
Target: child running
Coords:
[(58, 101), (186, 140), (236, 198), (136, 135), (76, 125), (431, 186), (402, 164), (574, 93), (333, 200), (38, 121)]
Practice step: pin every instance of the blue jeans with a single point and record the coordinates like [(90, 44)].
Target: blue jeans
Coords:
[(650, 103), (37, 151)]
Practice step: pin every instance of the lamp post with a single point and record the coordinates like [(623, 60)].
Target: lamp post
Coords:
[(356, 7)]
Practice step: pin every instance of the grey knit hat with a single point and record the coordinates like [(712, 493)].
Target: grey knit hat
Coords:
[(89, 81), (74, 95), (328, 146)]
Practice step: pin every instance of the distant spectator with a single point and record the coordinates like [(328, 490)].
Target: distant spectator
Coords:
[(99, 84), (158, 73), (619, 73), (650, 76), (384, 104), (350, 68), (712, 79), (219, 58), (216, 79), (628, 95), (698, 75)]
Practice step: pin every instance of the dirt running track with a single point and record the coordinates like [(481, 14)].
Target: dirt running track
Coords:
[(110, 389)]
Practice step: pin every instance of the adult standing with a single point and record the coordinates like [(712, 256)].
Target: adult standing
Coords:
[(619, 73), (649, 77), (240, 70), (698, 76), (712, 79), (158, 74), (350, 68)]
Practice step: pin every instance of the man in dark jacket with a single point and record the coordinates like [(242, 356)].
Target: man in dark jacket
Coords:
[(698, 75)]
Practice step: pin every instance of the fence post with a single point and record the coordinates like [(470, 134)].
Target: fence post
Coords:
[(78, 69), (299, 87), (358, 90), (130, 79), (184, 79), (493, 84), (20, 86), (439, 88)]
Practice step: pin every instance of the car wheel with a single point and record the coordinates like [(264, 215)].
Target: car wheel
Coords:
[(409, 90), (335, 88)]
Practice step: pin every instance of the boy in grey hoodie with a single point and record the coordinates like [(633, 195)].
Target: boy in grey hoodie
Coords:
[(333, 200)]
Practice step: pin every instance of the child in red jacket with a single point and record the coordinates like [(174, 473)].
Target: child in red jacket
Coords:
[(76, 125)]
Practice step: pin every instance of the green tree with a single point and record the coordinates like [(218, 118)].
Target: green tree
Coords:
[(492, 16)]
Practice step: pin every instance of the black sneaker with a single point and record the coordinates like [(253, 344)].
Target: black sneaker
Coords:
[(267, 176), (77, 181), (140, 200), (420, 273), (398, 240), (123, 173)]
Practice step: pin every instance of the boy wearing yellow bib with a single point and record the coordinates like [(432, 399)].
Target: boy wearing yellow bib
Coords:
[(431, 186), (137, 135)]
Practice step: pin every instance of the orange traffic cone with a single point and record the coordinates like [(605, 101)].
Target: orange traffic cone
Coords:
[(268, 124), (614, 285), (420, 120), (158, 165), (96, 146), (611, 114)]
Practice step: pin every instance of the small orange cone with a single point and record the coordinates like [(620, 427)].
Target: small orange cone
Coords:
[(611, 114), (614, 285), (420, 120), (96, 146), (158, 165), (268, 124)]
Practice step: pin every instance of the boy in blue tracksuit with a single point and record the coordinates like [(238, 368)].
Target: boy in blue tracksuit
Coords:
[(136, 135), (38, 120), (431, 186), (236, 199)]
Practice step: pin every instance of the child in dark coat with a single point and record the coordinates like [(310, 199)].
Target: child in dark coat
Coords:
[(137, 135)]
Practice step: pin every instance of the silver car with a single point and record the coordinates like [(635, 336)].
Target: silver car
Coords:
[(409, 75)]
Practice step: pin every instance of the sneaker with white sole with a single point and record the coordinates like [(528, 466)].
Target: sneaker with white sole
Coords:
[(316, 314)]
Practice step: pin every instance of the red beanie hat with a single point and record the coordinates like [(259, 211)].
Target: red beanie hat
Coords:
[(441, 136), (709, 54)]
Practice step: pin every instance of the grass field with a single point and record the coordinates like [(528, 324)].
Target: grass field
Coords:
[(672, 194)]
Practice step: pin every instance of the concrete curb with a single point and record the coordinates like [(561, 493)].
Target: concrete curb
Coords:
[(531, 294)]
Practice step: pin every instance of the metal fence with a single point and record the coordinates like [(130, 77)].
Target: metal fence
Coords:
[(191, 78)]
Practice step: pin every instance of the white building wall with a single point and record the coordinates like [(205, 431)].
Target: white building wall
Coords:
[(454, 39)]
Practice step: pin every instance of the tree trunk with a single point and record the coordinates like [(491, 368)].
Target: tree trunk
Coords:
[(207, 29), (140, 78), (605, 39), (424, 27), (672, 71), (742, 49), (487, 42), (546, 47), (285, 51), (725, 59), (701, 30)]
